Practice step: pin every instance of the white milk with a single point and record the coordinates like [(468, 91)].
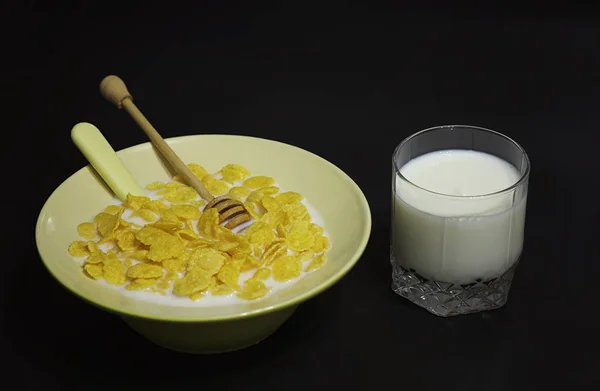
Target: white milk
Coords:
[(208, 300), (448, 233)]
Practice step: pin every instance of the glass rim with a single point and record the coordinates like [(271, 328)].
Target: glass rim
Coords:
[(515, 185)]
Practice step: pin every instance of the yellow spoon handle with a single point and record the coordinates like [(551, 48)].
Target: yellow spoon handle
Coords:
[(104, 160)]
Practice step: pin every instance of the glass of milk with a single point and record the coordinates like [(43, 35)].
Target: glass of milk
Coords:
[(458, 216)]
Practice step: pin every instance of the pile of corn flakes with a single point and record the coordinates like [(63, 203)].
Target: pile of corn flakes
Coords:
[(182, 250)]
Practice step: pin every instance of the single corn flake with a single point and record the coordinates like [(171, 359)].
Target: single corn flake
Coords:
[(234, 172), (192, 282), (239, 193), (145, 214), (286, 268), (175, 265), (227, 235), (214, 186), (155, 206), (78, 248), (186, 234), (94, 271), (126, 240), (257, 195), (207, 223), (306, 256), (260, 234), (206, 259), (139, 255), (289, 197), (198, 243), (169, 216), (165, 248), (270, 203), (187, 212), (230, 275), (181, 195), (155, 186), (275, 250), (262, 274), (87, 230), (224, 246), (316, 263), (107, 223), (254, 210), (198, 171), (170, 227), (321, 244), (150, 234), (92, 246), (111, 258), (221, 290), (135, 202), (95, 257), (145, 270), (257, 182), (115, 273), (197, 296), (113, 209), (198, 203), (249, 264), (253, 289), (316, 230), (282, 231), (140, 284), (300, 238)]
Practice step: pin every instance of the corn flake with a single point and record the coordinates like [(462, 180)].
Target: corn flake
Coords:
[(78, 248), (107, 223), (253, 289), (262, 274), (155, 186), (207, 223), (300, 238), (193, 281), (94, 271), (316, 263), (198, 171), (257, 182), (286, 268), (140, 284), (234, 172), (188, 212), (257, 195), (207, 260), (214, 186), (113, 209), (146, 215), (289, 197), (321, 244), (165, 248), (145, 270), (114, 273), (239, 192), (135, 202), (87, 230)]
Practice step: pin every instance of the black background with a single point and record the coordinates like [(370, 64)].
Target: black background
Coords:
[(348, 81)]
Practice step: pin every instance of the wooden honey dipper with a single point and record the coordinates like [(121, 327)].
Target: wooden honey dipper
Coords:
[(230, 211)]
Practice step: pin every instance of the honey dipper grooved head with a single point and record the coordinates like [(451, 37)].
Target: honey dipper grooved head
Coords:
[(229, 209)]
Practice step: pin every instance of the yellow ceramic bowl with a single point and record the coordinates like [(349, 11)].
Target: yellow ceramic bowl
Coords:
[(336, 197)]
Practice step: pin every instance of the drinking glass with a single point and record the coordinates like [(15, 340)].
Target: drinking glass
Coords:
[(455, 254)]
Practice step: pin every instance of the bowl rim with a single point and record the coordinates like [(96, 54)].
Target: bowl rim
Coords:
[(294, 301)]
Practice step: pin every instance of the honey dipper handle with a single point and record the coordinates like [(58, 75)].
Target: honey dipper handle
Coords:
[(114, 90)]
